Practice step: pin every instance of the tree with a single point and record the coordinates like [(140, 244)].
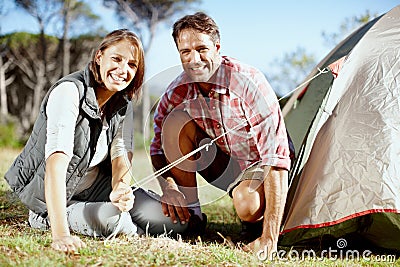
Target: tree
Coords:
[(145, 16), (41, 67), (37, 65), (346, 27), (43, 11), (62, 15), (22, 49), (82, 48), (5, 66), (71, 13), (292, 68)]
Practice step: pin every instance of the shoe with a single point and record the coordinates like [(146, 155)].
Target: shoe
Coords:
[(251, 231), (196, 226)]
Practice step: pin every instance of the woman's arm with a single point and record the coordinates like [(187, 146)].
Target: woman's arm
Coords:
[(122, 169), (55, 194), (121, 161), (122, 194), (62, 112)]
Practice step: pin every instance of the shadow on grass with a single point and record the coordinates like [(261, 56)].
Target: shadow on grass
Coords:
[(11, 209), (13, 213), (223, 227), (219, 232), (226, 233)]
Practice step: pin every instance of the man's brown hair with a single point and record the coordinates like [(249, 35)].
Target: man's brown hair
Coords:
[(200, 22)]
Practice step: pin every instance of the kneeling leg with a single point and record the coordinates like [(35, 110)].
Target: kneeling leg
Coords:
[(99, 219)]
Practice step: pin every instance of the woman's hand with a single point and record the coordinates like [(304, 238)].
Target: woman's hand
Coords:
[(67, 243), (55, 192), (122, 196)]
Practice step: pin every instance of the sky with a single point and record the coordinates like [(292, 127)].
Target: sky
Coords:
[(256, 32)]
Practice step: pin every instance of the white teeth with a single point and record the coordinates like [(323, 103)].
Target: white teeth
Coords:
[(197, 68), (119, 79)]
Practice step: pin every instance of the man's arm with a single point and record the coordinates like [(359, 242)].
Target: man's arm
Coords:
[(173, 201), (275, 189)]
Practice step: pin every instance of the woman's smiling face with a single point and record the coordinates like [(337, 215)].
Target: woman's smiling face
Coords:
[(118, 65)]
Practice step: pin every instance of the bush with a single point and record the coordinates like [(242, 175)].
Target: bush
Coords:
[(140, 142), (8, 136)]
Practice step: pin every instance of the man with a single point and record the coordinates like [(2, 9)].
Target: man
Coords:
[(221, 100)]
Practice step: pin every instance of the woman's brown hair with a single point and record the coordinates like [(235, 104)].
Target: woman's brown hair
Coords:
[(134, 88)]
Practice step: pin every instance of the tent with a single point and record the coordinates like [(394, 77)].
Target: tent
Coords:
[(346, 130)]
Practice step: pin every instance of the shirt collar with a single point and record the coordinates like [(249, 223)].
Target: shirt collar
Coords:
[(222, 78)]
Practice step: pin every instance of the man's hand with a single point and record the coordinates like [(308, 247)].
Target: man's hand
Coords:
[(263, 245), (68, 243), (122, 196), (174, 203), (275, 192)]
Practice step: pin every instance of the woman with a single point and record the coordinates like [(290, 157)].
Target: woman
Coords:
[(74, 170)]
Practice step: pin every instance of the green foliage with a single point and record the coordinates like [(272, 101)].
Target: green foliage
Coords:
[(146, 10), (140, 141), (18, 40), (292, 69), (8, 136), (346, 27), (144, 16)]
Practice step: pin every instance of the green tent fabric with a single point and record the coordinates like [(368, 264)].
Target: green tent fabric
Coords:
[(346, 178), (301, 108)]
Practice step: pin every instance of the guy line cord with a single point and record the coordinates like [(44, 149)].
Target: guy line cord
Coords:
[(161, 171)]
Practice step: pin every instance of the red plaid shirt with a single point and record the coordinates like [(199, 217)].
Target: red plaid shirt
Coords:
[(241, 99)]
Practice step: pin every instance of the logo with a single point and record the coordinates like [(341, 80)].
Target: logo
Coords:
[(333, 254)]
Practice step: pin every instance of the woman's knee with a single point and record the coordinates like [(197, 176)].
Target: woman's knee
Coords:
[(249, 200), (99, 219), (147, 214)]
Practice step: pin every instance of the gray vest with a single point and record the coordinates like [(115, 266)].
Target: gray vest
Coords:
[(26, 174)]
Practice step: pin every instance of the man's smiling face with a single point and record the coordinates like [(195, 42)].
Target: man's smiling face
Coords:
[(199, 55)]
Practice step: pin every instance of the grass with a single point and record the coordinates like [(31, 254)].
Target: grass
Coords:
[(22, 246)]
